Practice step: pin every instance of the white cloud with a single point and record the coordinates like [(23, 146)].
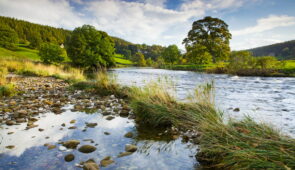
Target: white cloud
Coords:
[(265, 24)]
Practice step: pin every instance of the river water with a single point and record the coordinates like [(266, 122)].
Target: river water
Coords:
[(266, 99)]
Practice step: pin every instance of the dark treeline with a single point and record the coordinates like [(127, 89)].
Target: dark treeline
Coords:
[(35, 35), (283, 51)]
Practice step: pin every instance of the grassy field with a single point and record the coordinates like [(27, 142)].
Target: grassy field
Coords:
[(20, 53), (120, 61)]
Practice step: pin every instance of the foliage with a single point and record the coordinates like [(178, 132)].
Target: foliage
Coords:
[(51, 53), (35, 34), (139, 59), (119, 59), (90, 48), (198, 54), (212, 33), (7, 90), (171, 54), (8, 37), (149, 62)]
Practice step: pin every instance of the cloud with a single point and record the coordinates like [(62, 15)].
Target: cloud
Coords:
[(268, 23), (141, 21)]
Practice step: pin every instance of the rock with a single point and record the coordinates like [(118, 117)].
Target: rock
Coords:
[(20, 120), (31, 126), (106, 133), (69, 157), (106, 161), (22, 113), (128, 135), (62, 148), (110, 118), (33, 119), (87, 149), (130, 148), (91, 125), (105, 113), (124, 154), (72, 127), (124, 113), (40, 129), (10, 122), (63, 124), (71, 144), (10, 146), (90, 165), (9, 133), (49, 147), (236, 109), (73, 121)]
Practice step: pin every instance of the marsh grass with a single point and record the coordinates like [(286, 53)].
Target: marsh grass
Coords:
[(29, 68), (233, 145)]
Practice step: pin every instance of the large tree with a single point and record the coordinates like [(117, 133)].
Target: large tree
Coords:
[(171, 54), (211, 33), (90, 48), (51, 53)]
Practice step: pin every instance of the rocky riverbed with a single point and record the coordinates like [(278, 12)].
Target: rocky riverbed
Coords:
[(62, 128)]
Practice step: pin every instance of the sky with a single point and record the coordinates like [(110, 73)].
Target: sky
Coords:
[(252, 23)]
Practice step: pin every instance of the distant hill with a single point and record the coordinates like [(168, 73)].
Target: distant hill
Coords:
[(283, 51)]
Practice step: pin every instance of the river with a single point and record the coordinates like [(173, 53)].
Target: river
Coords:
[(266, 99)]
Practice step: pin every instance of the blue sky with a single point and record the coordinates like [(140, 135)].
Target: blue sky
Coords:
[(252, 23)]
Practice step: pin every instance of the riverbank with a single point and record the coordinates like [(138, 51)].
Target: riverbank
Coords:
[(288, 70), (236, 144)]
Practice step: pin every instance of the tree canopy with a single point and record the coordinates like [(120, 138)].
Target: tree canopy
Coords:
[(139, 59), (8, 37), (51, 53), (171, 54), (90, 48), (211, 33)]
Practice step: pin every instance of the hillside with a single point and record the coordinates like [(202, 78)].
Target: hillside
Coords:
[(283, 51)]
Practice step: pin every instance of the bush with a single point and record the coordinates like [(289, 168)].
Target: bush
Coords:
[(51, 53), (7, 90)]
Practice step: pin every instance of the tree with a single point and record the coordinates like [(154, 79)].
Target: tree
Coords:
[(8, 37), (51, 53), (149, 62), (212, 33), (90, 48), (171, 54), (199, 55), (139, 59)]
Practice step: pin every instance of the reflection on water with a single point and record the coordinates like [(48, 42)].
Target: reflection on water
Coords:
[(267, 99), (30, 154)]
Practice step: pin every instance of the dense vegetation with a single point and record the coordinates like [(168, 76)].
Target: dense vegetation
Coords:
[(283, 51)]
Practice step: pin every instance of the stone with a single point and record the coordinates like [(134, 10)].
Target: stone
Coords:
[(10, 122), (106, 161), (122, 154), (91, 125), (9, 133), (73, 121), (40, 129), (71, 144), (90, 165), (20, 120), (49, 147), (87, 149), (69, 157), (236, 109), (63, 124), (106, 133), (10, 146), (110, 118), (128, 135), (124, 113), (130, 148), (72, 127)]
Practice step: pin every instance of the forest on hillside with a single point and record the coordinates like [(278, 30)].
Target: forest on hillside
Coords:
[(282, 51)]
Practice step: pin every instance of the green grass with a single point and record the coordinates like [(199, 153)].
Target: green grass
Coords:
[(20, 53), (121, 61)]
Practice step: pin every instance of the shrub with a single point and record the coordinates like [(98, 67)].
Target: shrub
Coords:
[(51, 53), (7, 90)]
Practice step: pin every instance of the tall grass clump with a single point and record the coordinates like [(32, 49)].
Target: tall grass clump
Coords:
[(29, 68), (3, 74), (244, 145)]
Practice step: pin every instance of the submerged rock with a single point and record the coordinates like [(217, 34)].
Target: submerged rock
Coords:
[(73, 121), (106, 133), (49, 147), (110, 118), (87, 149), (122, 154), (237, 109), (130, 148), (10, 146), (72, 127), (106, 161), (90, 165), (10, 122), (91, 125), (69, 157), (71, 144), (128, 135)]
